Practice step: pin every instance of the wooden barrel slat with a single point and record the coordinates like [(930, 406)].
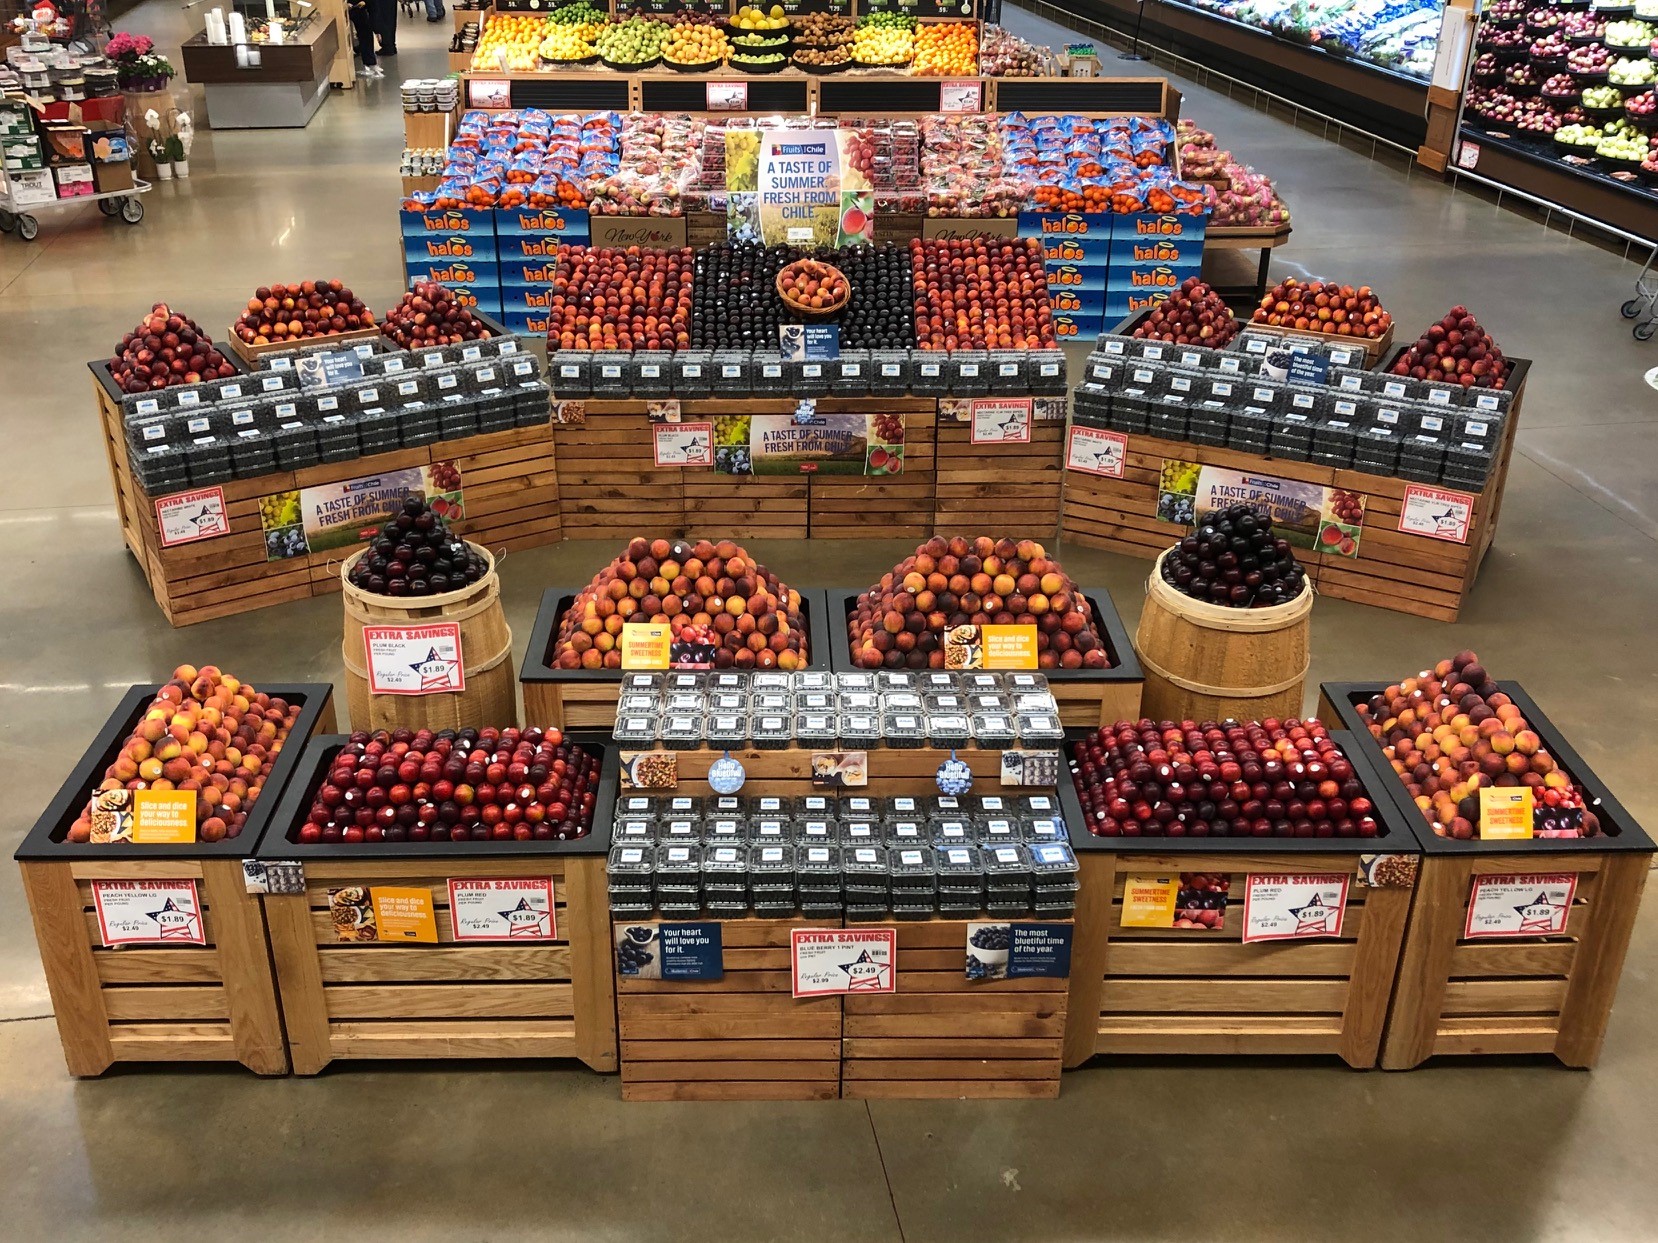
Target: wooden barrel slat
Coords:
[(1207, 662)]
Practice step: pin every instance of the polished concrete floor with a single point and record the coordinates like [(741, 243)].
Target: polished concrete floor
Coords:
[(1510, 1152)]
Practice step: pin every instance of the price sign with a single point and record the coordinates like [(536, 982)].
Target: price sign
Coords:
[(1520, 906), (1436, 513), (142, 912), (830, 962), (414, 660), (963, 95), (503, 910), (1293, 908), (1000, 421), (489, 92), (727, 96), (185, 517), (1093, 452)]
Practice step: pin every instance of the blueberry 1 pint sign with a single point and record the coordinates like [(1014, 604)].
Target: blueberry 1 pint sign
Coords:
[(831, 962)]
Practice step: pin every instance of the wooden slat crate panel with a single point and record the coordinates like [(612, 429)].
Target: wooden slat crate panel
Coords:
[(1406, 573), (158, 1004), (1514, 994), (608, 477), (743, 1037), (1018, 484), (942, 1035), (495, 1000), (1162, 990), (789, 771), (747, 506)]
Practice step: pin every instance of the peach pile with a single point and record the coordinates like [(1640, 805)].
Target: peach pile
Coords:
[(208, 732), (900, 622), (1324, 306), (1449, 731), (812, 285), (301, 311), (166, 349), (711, 593)]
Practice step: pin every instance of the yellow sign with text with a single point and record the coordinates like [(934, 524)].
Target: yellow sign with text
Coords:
[(646, 645), (1009, 647), (1148, 901), (404, 914), (1505, 811), (163, 816)]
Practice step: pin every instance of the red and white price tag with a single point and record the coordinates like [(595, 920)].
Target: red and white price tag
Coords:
[(727, 96), (489, 93), (1436, 513), (961, 95), (1094, 452), (185, 517), (414, 660)]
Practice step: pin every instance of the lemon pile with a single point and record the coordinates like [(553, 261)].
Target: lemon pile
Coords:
[(568, 42), (753, 17), (879, 45)]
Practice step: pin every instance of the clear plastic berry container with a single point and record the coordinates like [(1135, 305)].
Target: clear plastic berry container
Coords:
[(771, 868), (771, 680), (1045, 829), (815, 729), (771, 701), (725, 805), (636, 703), (945, 701), (946, 806), (682, 732), (679, 703), (816, 700), (954, 831), (727, 731), (903, 806), (632, 865), (950, 729), (1015, 682), (814, 680), (725, 866), (859, 701), (903, 701), (818, 868), (642, 683), (896, 680), (726, 701), (862, 833), (1037, 805), (859, 807), (1000, 831), (682, 829), (1039, 728), (771, 731), (908, 833), (911, 867), (904, 729), (1007, 865), (958, 867), (817, 831), (635, 731), (1034, 702), (859, 730), (678, 868), (634, 833), (635, 806), (994, 730), (1052, 861), (816, 805), (680, 806), (771, 830), (682, 680), (726, 830)]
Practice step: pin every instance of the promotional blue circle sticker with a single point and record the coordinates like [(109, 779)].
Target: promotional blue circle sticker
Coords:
[(727, 775), (954, 776)]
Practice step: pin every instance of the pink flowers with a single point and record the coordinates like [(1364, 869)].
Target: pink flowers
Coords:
[(125, 47)]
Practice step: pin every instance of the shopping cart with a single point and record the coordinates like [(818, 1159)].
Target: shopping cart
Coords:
[(1644, 305), (123, 203)]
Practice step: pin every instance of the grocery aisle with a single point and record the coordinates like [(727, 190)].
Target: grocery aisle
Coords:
[(1211, 1148)]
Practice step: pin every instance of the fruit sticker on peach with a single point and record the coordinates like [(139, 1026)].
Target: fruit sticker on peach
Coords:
[(414, 660), (1095, 452), (148, 912), (1000, 421), (830, 962), (185, 517), (683, 444), (1506, 812), (1436, 513), (1294, 908), (519, 909), (1148, 901), (1520, 905), (163, 817)]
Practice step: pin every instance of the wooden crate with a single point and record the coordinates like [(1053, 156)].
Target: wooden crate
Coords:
[(1548, 994), (1393, 570), (251, 354), (586, 698), (159, 1003), (549, 999), (609, 483), (1019, 484), (1165, 990), (511, 493), (1088, 698), (742, 1037), (892, 771), (944, 1036), (1374, 349)]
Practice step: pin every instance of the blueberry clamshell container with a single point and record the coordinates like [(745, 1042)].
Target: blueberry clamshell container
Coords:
[(733, 372), (928, 374), (1045, 373), (994, 730), (634, 703), (682, 732), (954, 833), (726, 831), (903, 701), (1045, 829), (859, 730), (652, 374), (634, 832), (815, 729), (859, 701), (611, 375), (457, 421), (815, 831), (296, 446), (634, 862), (1000, 831), (691, 373), (723, 731), (947, 807), (903, 806), (968, 373), (252, 454), (849, 373), (816, 700), (725, 805), (813, 680), (635, 731), (949, 729), (889, 373), (907, 833), (855, 680)]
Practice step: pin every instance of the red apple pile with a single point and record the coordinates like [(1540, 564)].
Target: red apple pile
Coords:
[(1194, 314), (1324, 306), (1450, 731), (899, 623), (207, 732), (1257, 779), (633, 299), (164, 350), (1456, 350), (430, 314), (980, 293), (300, 312), (711, 593), (471, 786)]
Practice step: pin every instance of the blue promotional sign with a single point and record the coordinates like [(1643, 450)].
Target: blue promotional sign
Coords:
[(1039, 950), (694, 951), (809, 342), (1309, 367)]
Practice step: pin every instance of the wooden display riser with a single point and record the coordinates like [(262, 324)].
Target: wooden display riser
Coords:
[(1393, 570), (550, 999), (943, 1036), (1519, 994), (742, 1037), (1164, 990), (1018, 485), (511, 495), (892, 770), (609, 478), (157, 1004)]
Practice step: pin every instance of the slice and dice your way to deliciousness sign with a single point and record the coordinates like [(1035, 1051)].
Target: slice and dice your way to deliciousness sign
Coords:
[(414, 660), (830, 962), (1290, 908), (1520, 905), (163, 816), (148, 912), (519, 909)]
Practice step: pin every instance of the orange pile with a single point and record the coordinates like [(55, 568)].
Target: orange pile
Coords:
[(945, 50)]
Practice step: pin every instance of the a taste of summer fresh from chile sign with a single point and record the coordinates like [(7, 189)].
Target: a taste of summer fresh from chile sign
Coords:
[(1520, 905), (147, 912), (503, 910), (1436, 513), (346, 513), (1096, 453), (1302, 513), (830, 962), (414, 660), (1290, 908), (797, 187), (185, 517)]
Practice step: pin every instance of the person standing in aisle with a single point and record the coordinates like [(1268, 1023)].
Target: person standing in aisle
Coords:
[(362, 26), (385, 25), (435, 12), (990, 12)]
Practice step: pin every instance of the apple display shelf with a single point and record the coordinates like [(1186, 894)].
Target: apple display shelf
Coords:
[(586, 698), (1391, 569), (1517, 994), (1088, 698), (160, 1002), (508, 481), (490, 999), (1165, 990)]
